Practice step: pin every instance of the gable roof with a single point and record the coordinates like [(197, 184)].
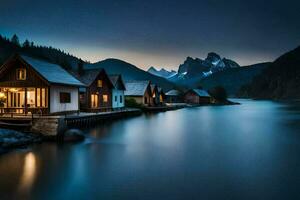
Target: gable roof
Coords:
[(153, 87), (90, 75), (136, 88), (201, 93), (53, 73), (117, 81), (160, 90), (173, 93)]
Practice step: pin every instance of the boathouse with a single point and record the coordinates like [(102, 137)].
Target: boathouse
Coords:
[(118, 98), (155, 95), (174, 96), (97, 95), (140, 91), (34, 86), (197, 96)]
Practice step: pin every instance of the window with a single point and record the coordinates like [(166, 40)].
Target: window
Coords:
[(99, 83), (145, 100), (121, 99), (161, 98), (31, 98), (116, 98), (21, 74), (94, 100), (41, 97), (65, 97), (105, 98)]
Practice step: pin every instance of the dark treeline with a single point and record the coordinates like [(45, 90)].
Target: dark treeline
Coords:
[(8, 47)]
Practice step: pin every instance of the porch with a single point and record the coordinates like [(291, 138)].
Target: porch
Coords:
[(23, 101)]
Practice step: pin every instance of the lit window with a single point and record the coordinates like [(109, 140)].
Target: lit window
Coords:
[(94, 100), (21, 74), (99, 83), (105, 98)]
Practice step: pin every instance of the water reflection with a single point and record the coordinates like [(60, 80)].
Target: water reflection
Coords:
[(29, 172), (249, 151)]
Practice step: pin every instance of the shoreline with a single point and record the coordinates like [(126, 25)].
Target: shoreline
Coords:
[(15, 139)]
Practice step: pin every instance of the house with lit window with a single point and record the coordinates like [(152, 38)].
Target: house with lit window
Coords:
[(33, 86), (162, 95), (140, 91), (197, 96), (97, 95), (155, 96), (118, 99)]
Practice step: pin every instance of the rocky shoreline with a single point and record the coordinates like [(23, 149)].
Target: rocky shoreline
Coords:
[(11, 139)]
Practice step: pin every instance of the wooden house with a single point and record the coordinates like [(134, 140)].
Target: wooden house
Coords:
[(118, 98), (140, 91), (174, 96), (162, 95), (155, 95), (29, 85), (97, 95), (197, 96)]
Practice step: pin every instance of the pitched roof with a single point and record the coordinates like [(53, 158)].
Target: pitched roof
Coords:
[(173, 93), (136, 88), (201, 93), (53, 73), (89, 76), (160, 90), (117, 81), (153, 86)]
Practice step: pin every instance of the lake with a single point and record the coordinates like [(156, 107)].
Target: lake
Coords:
[(248, 151)]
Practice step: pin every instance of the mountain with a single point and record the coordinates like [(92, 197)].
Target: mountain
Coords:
[(280, 80), (162, 72), (231, 79), (196, 68), (70, 62), (129, 72)]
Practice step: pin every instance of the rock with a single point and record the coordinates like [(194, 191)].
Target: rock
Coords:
[(14, 139), (73, 135)]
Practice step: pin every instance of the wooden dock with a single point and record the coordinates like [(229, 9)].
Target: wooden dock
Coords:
[(164, 108), (52, 126), (56, 125), (91, 119)]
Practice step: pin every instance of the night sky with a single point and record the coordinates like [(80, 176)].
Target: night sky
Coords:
[(157, 32)]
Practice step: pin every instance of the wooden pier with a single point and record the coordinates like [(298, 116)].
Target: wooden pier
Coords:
[(53, 126)]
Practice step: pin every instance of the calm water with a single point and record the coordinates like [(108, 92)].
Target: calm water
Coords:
[(250, 151)]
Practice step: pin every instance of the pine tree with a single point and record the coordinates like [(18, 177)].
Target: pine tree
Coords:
[(80, 69), (26, 44), (15, 40)]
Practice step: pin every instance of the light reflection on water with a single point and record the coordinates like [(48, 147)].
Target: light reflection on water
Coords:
[(231, 152), (29, 172)]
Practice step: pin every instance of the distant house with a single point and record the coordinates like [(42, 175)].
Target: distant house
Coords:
[(140, 91), (197, 96), (155, 95), (174, 96), (162, 95), (97, 95), (118, 99), (29, 85)]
